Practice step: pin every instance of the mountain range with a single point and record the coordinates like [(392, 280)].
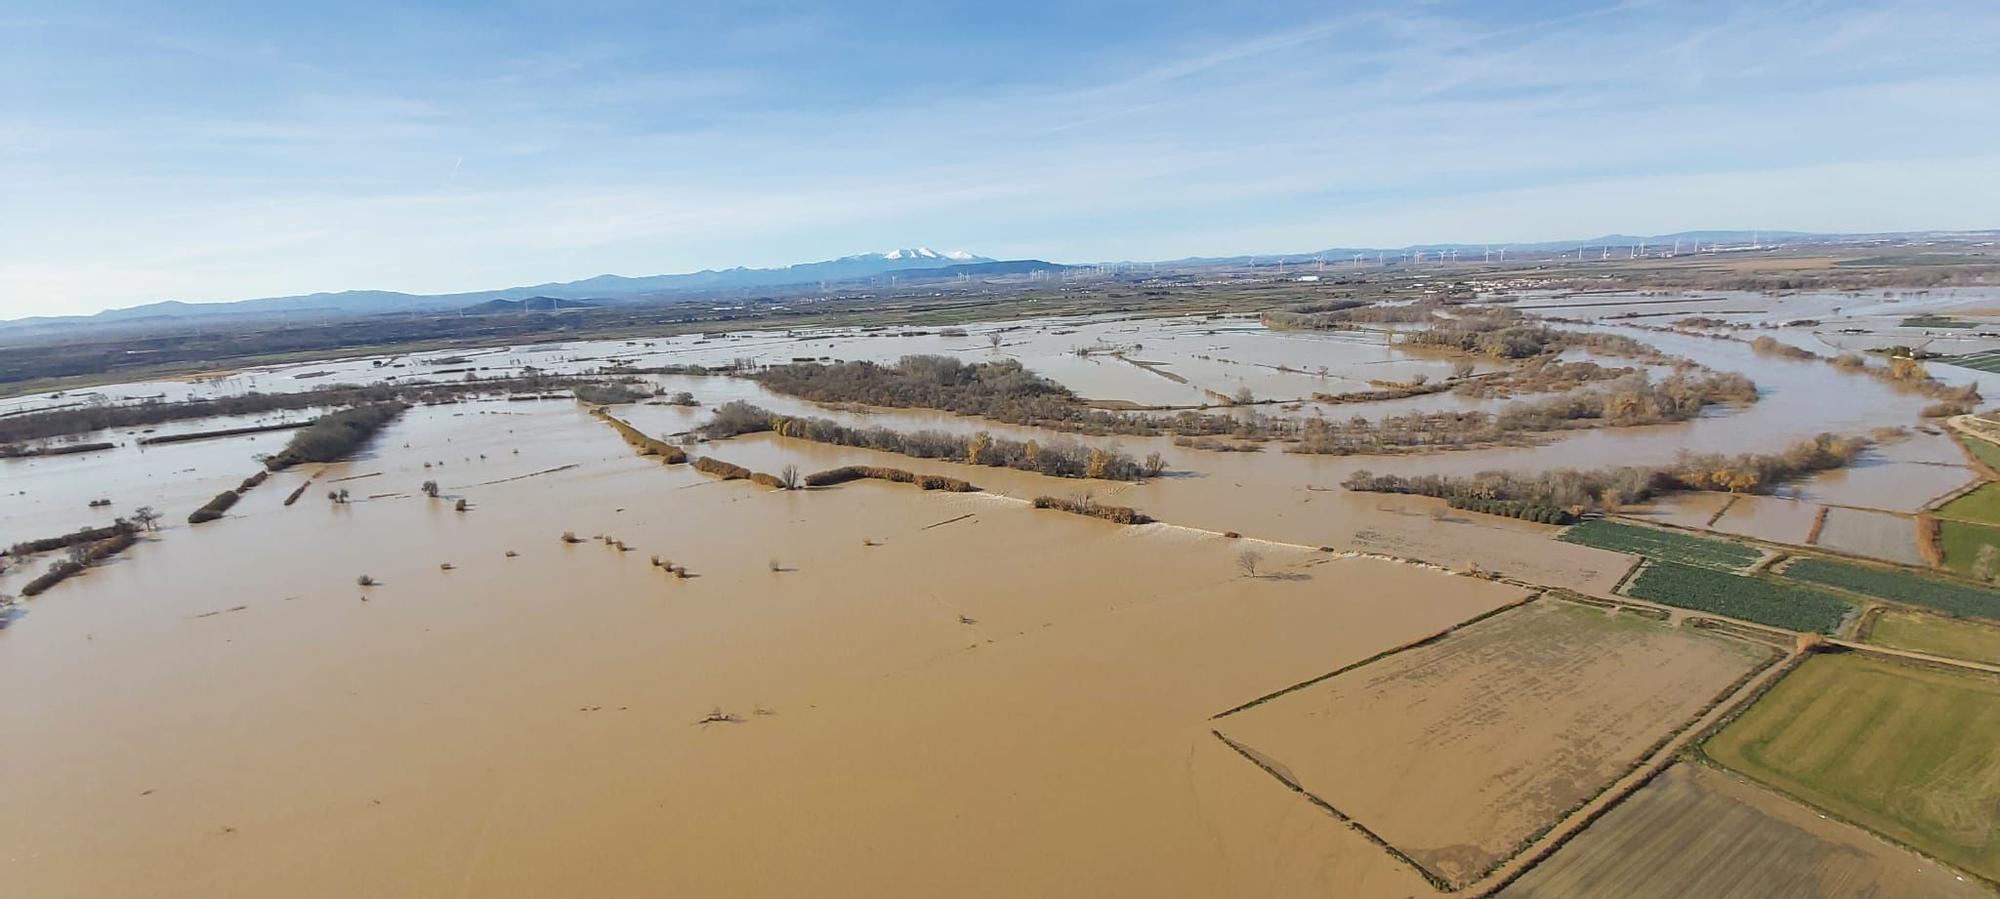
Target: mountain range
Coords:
[(907, 265), (915, 261)]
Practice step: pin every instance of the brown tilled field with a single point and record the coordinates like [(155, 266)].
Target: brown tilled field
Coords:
[(1694, 831), (1457, 752)]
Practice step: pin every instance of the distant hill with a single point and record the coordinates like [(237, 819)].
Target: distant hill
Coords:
[(531, 304), (600, 289)]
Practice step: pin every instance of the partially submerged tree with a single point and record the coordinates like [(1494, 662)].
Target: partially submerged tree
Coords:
[(147, 517)]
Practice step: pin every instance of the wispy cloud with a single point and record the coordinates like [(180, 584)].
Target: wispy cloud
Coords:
[(151, 156)]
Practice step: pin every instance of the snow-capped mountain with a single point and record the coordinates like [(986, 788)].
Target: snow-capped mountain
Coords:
[(926, 254)]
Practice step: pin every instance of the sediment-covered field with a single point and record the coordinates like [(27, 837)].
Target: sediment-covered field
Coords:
[(1876, 535), (1694, 831), (1458, 751)]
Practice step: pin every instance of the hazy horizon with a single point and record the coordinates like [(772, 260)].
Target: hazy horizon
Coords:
[(152, 153)]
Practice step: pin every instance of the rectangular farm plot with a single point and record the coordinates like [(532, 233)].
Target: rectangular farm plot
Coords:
[(1980, 505), (1877, 535), (1952, 638), (1654, 543), (1695, 831), (1984, 450), (1458, 751), (1899, 586), (1768, 518), (1906, 750), (1763, 600), (1964, 543)]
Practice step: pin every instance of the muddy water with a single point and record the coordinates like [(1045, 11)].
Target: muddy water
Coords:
[(219, 711), (989, 701)]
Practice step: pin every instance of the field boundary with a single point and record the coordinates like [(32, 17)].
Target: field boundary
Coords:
[(1697, 753), (1419, 642), (1566, 824), (1728, 704), (1257, 759)]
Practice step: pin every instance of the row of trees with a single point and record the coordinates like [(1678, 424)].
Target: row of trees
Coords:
[(1503, 334), (83, 419), (334, 435), (1574, 491), (1631, 400), (1002, 391), (1063, 458)]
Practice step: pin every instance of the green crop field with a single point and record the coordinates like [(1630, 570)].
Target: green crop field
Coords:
[(1749, 598), (1984, 450), (1899, 586), (1654, 543), (1988, 361), (1936, 321), (1908, 751), (1953, 638), (1982, 505), (1961, 542)]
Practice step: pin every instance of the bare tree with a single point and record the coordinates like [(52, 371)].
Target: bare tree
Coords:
[(79, 553), (1155, 463), (1248, 560), (430, 489), (789, 476), (147, 517), (993, 340)]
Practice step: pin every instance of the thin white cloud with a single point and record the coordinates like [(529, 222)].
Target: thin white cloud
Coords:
[(1370, 128)]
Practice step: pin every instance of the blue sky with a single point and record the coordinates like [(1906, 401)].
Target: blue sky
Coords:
[(206, 151)]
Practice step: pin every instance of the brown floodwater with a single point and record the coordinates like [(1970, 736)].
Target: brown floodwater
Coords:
[(990, 700), (938, 694)]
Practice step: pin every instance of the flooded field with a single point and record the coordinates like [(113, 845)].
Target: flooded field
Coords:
[(1458, 751), (867, 689), (1876, 535), (1694, 831), (894, 702)]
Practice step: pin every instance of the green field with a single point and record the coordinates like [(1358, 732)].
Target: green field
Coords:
[(1936, 321), (1750, 598), (1654, 543), (1961, 542), (1984, 450), (1988, 361), (1953, 638), (1899, 586), (1982, 505), (1908, 751)]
